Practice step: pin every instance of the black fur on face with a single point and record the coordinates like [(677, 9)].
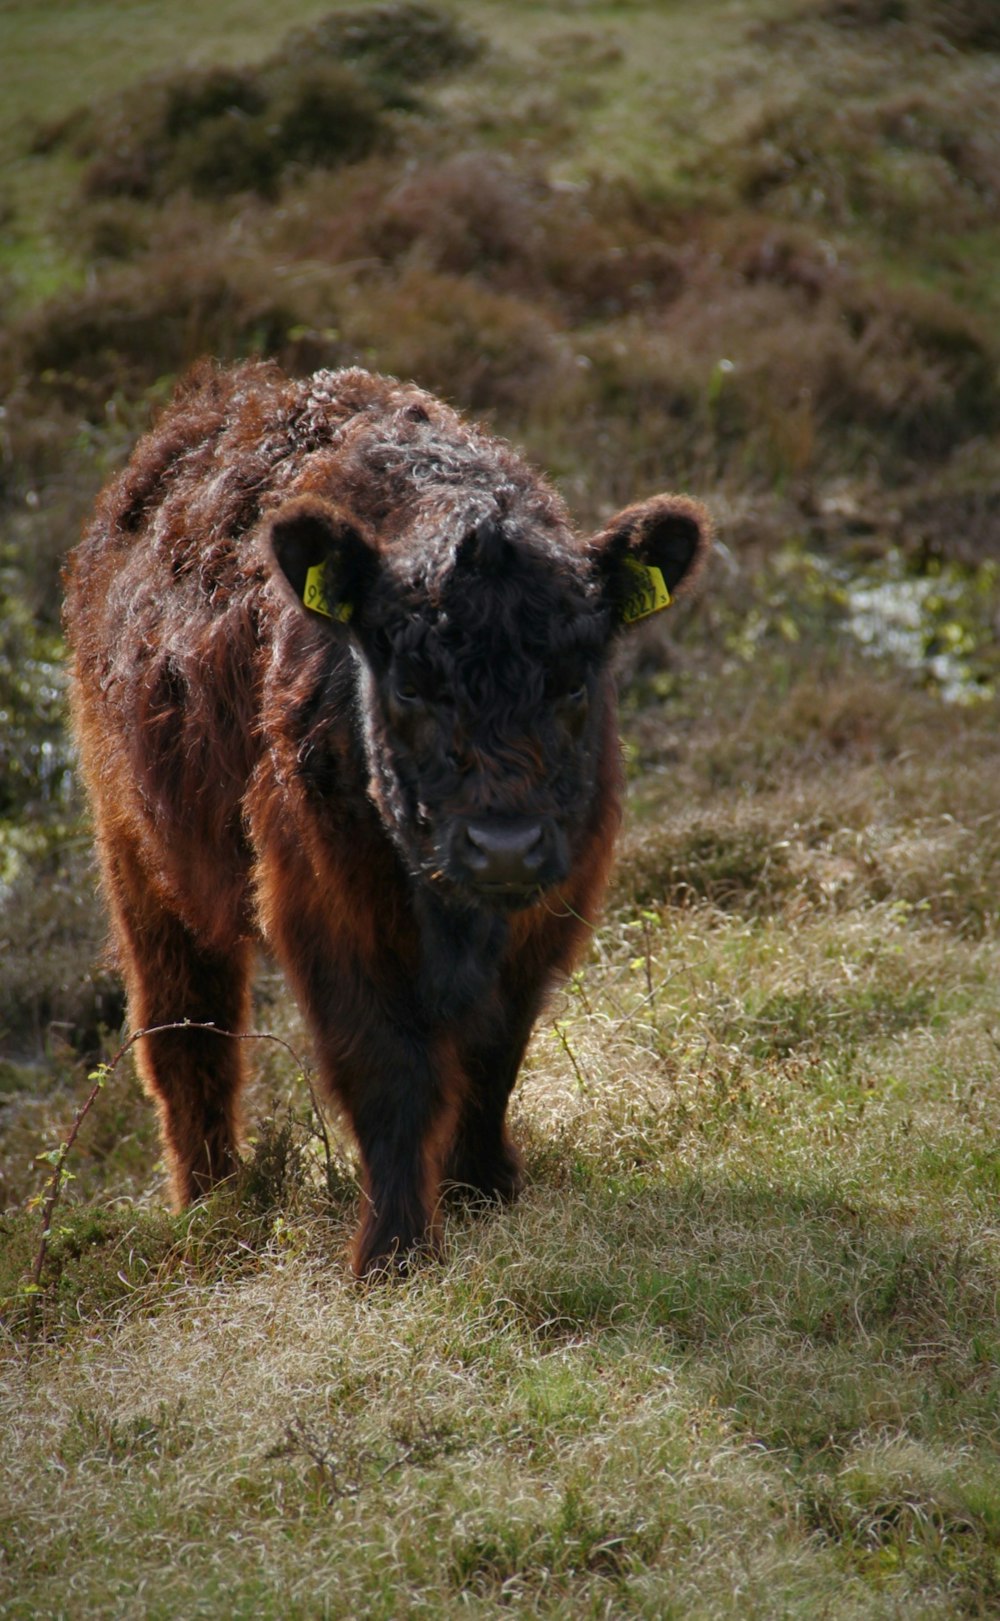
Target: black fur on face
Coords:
[(483, 705)]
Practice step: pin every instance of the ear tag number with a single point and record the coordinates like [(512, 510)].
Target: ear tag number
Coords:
[(648, 593), (314, 597)]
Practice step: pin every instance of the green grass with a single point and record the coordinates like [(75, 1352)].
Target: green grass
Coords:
[(67, 55), (735, 1352)]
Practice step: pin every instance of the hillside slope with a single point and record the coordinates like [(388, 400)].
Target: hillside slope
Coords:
[(735, 1354)]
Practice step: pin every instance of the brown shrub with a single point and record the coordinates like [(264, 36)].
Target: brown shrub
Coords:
[(219, 131), (319, 101), (959, 126), (325, 116), (972, 24), (781, 382), (487, 351), (600, 276), (195, 97), (402, 41), (112, 229), (969, 24), (784, 255), (52, 931), (137, 324), (863, 13), (916, 369), (949, 525), (907, 163), (472, 214), (646, 382), (132, 143), (476, 214)]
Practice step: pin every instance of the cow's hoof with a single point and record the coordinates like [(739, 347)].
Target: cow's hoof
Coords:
[(387, 1263), (476, 1190)]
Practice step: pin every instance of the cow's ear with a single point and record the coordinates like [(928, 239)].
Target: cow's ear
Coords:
[(323, 556), (651, 552)]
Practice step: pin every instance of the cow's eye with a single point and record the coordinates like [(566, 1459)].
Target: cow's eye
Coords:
[(576, 698), (565, 687), (406, 693)]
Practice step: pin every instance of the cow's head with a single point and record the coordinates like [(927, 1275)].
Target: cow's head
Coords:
[(483, 668)]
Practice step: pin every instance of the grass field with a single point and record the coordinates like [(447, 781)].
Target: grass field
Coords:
[(735, 1353)]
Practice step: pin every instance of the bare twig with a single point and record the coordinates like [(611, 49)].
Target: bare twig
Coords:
[(57, 1157)]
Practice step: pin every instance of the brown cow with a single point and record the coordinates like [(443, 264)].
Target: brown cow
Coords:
[(341, 683)]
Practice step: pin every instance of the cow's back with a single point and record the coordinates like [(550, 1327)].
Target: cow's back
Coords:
[(168, 618)]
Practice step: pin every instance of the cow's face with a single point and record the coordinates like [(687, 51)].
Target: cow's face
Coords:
[(485, 694)]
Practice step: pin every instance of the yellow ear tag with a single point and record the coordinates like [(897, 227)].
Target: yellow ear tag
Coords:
[(314, 597), (648, 594)]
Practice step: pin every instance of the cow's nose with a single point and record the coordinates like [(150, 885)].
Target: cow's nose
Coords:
[(507, 854)]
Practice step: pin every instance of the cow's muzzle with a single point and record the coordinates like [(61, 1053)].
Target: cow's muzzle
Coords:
[(509, 856)]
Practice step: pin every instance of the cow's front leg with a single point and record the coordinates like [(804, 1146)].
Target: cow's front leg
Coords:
[(401, 1091), (403, 1098), (483, 1164), (398, 1088)]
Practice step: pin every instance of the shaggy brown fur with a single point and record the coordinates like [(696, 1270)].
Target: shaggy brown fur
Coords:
[(412, 796)]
